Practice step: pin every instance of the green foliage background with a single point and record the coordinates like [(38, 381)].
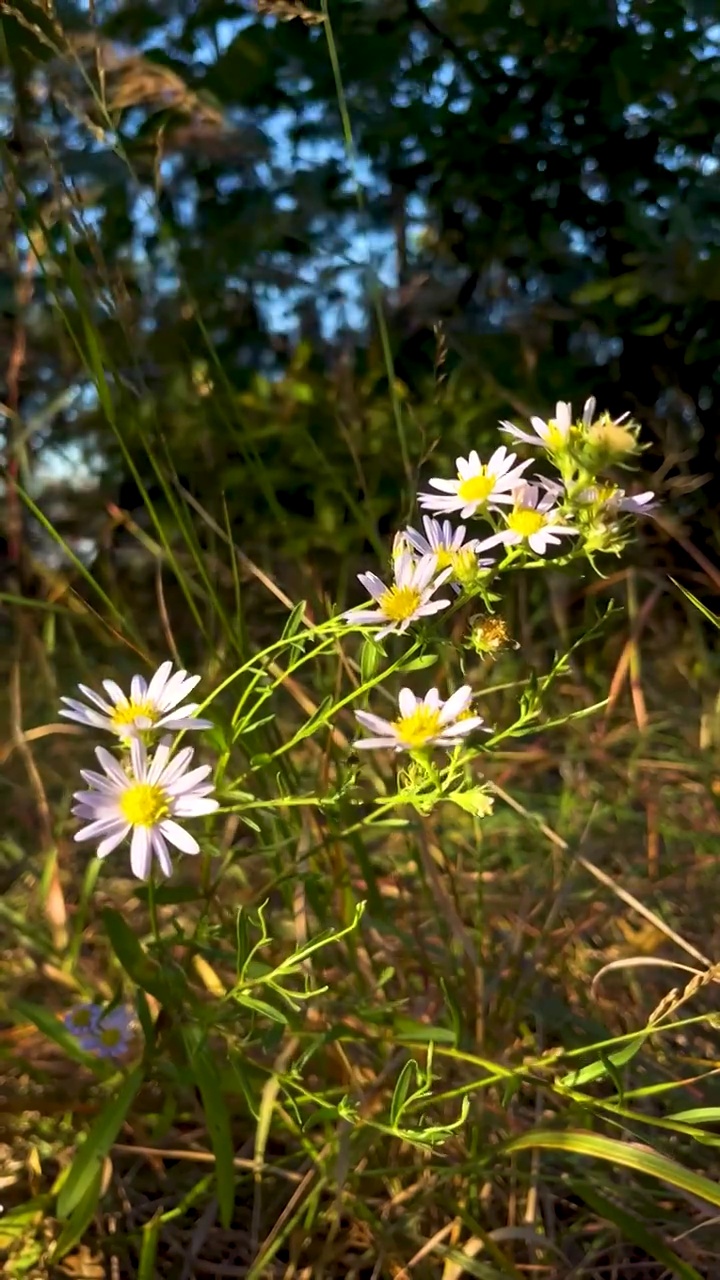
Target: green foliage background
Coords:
[(535, 184)]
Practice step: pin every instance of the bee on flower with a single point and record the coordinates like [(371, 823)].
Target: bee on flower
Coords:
[(450, 549), (408, 599), (533, 521), (143, 801), (478, 485), (157, 705), (422, 722)]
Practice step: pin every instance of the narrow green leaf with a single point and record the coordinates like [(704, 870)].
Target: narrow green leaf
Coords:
[(419, 664), (697, 1115), (636, 1232), (80, 1218), (148, 1248), (584, 1143), (408, 1076), (217, 1119), (89, 1157), (135, 961), (597, 1070), (295, 620)]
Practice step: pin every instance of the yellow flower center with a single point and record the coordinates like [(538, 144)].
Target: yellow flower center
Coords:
[(489, 635), (128, 713), (400, 603), (110, 1037), (612, 440), (144, 805), (463, 562), (416, 729), (477, 488), (81, 1018), (605, 494), (526, 521)]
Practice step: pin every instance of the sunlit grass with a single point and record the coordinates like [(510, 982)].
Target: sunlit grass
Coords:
[(375, 1035)]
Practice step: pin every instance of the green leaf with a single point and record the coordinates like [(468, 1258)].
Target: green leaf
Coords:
[(80, 1219), (217, 1118), (148, 1248), (295, 620), (597, 1070), (89, 1157), (636, 1231), (408, 1076), (135, 961), (419, 664), (581, 1142), (475, 800)]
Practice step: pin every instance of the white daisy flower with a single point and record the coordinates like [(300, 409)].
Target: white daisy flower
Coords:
[(409, 598), (423, 722), (555, 433), (450, 549), (478, 484), (145, 799), (533, 519), (156, 705)]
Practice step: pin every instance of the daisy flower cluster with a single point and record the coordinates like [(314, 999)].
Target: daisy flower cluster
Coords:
[(104, 1034), (144, 792), (527, 517)]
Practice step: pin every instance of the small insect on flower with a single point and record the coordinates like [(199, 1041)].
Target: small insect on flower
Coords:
[(107, 1035), (533, 520), (423, 722), (450, 549), (409, 598), (145, 800), (157, 705), (478, 484)]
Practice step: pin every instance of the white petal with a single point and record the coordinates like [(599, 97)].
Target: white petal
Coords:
[(160, 679), (178, 836), (161, 852), (116, 694), (425, 570), (101, 827), (456, 703), (177, 689), (194, 806), (177, 723), (94, 697), (407, 702), (363, 616), (432, 699), (370, 721), (462, 727), (138, 759), (111, 767), (445, 486), (138, 689), (189, 781), (372, 744), (432, 606), (372, 584), (404, 568), (155, 767), (141, 853), (84, 715), (113, 839)]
